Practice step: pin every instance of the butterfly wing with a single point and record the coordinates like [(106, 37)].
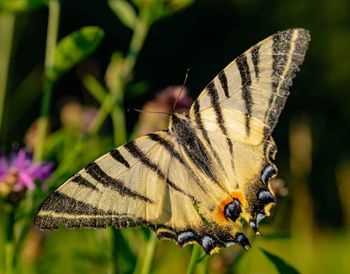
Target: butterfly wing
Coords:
[(145, 182), (246, 98), (237, 112), (111, 190)]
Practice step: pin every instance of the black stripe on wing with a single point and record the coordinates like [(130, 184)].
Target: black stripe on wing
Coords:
[(170, 148), (214, 99), (81, 181), (256, 60), (59, 208), (246, 81), (119, 157), (96, 172), (59, 202), (199, 123), (136, 152), (223, 81)]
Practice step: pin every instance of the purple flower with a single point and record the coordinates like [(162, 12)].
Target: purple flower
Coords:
[(19, 172)]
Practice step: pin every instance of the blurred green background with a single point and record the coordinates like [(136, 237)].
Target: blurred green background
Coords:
[(309, 228)]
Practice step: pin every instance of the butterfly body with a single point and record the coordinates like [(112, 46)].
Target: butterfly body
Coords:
[(191, 145), (197, 180)]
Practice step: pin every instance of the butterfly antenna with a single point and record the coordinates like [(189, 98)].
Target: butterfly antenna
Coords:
[(183, 85), (141, 111)]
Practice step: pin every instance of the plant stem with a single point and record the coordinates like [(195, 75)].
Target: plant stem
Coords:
[(150, 248), (203, 266), (115, 99), (115, 264), (7, 25), (194, 259), (9, 242), (104, 110), (118, 120), (95, 88), (51, 42)]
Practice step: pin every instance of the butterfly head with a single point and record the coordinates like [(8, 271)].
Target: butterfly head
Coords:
[(177, 122)]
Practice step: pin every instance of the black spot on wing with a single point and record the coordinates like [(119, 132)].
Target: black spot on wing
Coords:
[(186, 237), (256, 60), (119, 157), (208, 244), (233, 210), (268, 172), (223, 82), (135, 151), (246, 81), (95, 171)]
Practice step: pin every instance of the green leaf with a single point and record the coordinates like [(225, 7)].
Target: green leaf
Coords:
[(113, 71), (73, 48), (19, 5), (280, 264), (124, 11)]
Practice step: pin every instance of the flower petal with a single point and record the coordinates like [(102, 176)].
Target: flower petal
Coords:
[(25, 180)]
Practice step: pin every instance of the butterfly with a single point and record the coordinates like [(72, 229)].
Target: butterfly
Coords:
[(196, 181)]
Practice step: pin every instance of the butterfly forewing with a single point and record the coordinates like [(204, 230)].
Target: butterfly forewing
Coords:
[(102, 193), (245, 100)]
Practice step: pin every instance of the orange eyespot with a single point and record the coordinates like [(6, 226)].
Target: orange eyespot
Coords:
[(220, 209)]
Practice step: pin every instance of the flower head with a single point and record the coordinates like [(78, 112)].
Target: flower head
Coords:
[(19, 172)]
